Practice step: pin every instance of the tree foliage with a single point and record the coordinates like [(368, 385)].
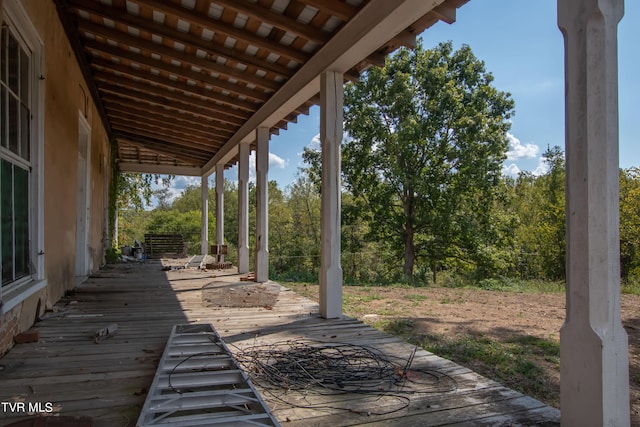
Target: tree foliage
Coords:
[(135, 190), (539, 205), (526, 226), (423, 191), (630, 223), (427, 142)]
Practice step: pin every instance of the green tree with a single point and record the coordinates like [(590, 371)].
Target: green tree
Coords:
[(304, 206), (630, 222), (135, 190), (539, 203), (427, 142), (190, 199)]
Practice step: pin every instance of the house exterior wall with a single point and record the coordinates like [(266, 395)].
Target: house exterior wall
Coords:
[(65, 99)]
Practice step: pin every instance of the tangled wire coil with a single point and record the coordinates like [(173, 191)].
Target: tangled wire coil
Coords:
[(329, 368)]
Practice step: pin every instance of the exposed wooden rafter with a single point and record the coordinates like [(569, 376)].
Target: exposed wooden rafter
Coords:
[(179, 84)]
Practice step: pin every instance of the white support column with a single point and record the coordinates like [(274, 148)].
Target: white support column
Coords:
[(220, 207), (262, 205), (331, 100), (204, 229), (243, 207), (594, 366)]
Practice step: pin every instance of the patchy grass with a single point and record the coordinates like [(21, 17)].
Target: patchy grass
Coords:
[(521, 362), (507, 331), (631, 286), (501, 284), (415, 297)]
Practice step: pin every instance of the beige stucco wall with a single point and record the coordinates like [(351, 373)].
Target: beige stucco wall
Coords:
[(65, 96)]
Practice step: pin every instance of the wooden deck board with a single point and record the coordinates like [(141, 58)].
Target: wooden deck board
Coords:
[(108, 381)]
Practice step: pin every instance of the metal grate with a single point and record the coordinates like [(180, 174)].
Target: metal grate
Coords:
[(199, 383)]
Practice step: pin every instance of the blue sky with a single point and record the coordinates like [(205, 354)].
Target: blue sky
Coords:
[(521, 45)]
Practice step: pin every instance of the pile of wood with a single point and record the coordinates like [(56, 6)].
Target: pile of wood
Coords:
[(218, 265), (164, 245)]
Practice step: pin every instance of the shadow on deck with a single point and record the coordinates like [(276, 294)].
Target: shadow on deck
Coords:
[(68, 373)]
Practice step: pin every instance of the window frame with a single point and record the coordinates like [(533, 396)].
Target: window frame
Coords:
[(12, 13)]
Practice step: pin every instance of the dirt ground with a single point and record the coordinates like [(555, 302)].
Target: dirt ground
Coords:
[(498, 316)]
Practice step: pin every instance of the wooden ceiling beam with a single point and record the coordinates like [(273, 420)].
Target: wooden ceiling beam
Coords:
[(178, 138), (184, 116), (370, 28), (187, 73), (188, 39), (174, 96), (405, 39), (146, 76), (173, 54), (226, 29), (155, 138), (146, 122), (337, 8), (176, 101), (76, 44), (113, 93), (159, 147), (277, 20), (181, 121), (160, 168), (445, 12)]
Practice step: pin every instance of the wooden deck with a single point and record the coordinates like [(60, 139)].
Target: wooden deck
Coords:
[(67, 371)]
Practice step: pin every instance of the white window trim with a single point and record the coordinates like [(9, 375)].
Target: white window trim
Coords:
[(13, 13)]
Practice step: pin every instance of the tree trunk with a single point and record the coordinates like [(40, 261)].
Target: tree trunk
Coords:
[(434, 267), (409, 254), (409, 232)]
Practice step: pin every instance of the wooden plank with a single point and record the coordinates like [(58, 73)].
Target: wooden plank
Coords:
[(107, 380)]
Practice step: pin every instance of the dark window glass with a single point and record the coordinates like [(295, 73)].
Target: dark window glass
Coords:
[(6, 212), (4, 118), (24, 77), (25, 145), (14, 124), (21, 220), (13, 64), (3, 53)]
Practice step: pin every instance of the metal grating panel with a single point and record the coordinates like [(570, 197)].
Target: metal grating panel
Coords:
[(199, 383)]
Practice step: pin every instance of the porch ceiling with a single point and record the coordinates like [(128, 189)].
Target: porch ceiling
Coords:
[(179, 83)]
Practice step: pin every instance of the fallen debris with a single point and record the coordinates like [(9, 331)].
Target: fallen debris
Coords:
[(172, 267), (27, 337), (251, 277), (104, 333)]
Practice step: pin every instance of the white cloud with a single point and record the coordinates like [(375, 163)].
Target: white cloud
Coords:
[(315, 143), (541, 169), (510, 170), (275, 161), (519, 151), (182, 182)]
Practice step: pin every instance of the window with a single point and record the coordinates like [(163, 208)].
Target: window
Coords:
[(21, 199), (14, 158)]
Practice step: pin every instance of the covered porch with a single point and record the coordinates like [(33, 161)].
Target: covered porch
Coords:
[(108, 381), (190, 87)]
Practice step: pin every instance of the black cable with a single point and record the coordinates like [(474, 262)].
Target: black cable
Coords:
[(329, 368)]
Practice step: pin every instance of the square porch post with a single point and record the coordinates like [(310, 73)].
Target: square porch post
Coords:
[(262, 204), (243, 208), (204, 229), (594, 361), (331, 100), (220, 207)]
